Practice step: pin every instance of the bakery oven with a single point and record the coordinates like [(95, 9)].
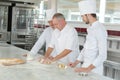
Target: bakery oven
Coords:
[(4, 21), (22, 24)]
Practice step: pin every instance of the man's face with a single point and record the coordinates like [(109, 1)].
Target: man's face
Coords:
[(51, 23), (57, 23), (85, 19)]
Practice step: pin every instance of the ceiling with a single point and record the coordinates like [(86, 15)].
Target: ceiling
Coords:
[(72, 4)]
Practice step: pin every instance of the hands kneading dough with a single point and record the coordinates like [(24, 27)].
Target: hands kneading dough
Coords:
[(45, 61)]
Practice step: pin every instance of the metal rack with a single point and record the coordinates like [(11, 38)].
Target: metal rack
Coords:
[(29, 40), (112, 69), (112, 65)]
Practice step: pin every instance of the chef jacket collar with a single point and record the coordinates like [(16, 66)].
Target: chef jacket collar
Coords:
[(93, 24), (65, 29)]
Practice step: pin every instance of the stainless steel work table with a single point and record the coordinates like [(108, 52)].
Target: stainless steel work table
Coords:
[(34, 70)]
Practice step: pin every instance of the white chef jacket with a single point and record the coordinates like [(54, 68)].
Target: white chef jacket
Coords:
[(67, 38), (45, 37), (95, 47)]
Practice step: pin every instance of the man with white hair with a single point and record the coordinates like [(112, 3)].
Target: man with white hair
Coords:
[(94, 52), (64, 41), (45, 37)]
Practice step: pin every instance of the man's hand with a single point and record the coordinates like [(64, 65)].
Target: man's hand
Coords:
[(71, 64), (25, 55), (30, 57), (82, 70), (46, 61), (51, 58)]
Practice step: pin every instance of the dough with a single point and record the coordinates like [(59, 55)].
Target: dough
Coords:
[(11, 61), (83, 74), (62, 66), (41, 61)]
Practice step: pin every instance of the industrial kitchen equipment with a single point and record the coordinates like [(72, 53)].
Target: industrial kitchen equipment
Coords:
[(4, 21), (22, 29)]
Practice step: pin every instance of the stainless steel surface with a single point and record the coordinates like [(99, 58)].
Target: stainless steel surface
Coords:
[(3, 18), (3, 36), (3, 21), (25, 5), (112, 69), (23, 26), (25, 41), (5, 3), (29, 1), (112, 66), (114, 48)]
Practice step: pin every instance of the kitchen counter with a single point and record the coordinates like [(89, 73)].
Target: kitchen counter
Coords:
[(34, 70), (9, 51)]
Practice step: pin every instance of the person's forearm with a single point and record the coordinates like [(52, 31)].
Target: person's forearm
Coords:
[(76, 62), (62, 54), (48, 52), (91, 67)]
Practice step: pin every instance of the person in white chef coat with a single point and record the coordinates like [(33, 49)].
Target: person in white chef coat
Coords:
[(94, 52), (45, 37), (64, 41)]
